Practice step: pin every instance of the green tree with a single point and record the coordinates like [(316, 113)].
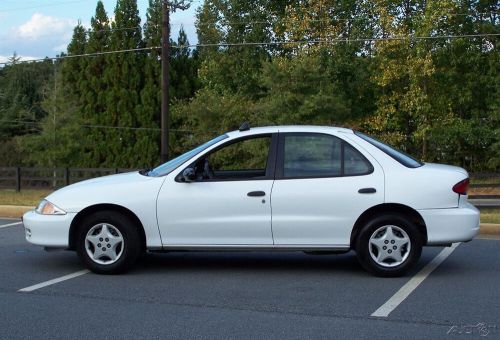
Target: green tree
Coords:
[(150, 109), (183, 68), (235, 68), (95, 87), (299, 91), (125, 81), (21, 94), (59, 141), (73, 68)]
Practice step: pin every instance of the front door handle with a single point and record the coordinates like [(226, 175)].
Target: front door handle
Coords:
[(367, 191), (256, 193)]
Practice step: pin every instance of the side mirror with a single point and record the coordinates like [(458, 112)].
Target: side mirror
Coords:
[(188, 175)]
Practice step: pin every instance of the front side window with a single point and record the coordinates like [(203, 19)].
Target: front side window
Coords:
[(239, 160), (249, 154)]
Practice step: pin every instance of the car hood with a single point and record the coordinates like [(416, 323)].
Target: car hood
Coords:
[(118, 189), (110, 179)]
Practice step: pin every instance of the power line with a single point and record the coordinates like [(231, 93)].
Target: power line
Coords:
[(346, 40), (270, 43), (84, 55), (119, 127), (105, 126)]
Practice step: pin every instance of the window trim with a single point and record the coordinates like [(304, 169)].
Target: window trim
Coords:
[(270, 166), (280, 160)]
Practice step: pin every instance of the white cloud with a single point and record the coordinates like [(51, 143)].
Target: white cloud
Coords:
[(40, 25)]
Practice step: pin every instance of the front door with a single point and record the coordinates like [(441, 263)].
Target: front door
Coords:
[(228, 202)]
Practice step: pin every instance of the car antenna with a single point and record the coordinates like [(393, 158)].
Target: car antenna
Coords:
[(245, 126)]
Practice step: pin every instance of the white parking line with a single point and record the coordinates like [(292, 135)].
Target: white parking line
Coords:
[(53, 281), (411, 285), (10, 225)]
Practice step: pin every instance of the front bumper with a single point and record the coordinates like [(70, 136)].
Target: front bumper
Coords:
[(446, 226), (48, 230)]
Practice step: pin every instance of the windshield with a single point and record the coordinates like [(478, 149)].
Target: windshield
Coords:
[(172, 164), (400, 156)]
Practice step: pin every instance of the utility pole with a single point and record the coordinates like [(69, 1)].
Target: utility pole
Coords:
[(168, 6), (165, 80)]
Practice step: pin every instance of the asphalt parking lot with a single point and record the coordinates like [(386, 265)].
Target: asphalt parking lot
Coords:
[(247, 295)]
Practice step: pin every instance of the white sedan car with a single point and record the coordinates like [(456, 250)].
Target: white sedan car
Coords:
[(319, 190)]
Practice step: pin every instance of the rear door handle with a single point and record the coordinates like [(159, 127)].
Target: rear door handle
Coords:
[(256, 193), (367, 191)]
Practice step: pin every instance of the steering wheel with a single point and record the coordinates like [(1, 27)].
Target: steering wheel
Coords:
[(208, 173)]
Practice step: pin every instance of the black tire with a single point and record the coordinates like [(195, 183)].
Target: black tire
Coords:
[(362, 245), (132, 243)]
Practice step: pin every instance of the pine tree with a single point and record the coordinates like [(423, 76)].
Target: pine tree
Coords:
[(95, 86), (124, 79), (150, 110), (183, 68), (73, 69)]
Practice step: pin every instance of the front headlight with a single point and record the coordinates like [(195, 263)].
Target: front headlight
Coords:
[(47, 208)]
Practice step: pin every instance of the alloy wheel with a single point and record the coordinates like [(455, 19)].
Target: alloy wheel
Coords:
[(104, 244), (389, 246)]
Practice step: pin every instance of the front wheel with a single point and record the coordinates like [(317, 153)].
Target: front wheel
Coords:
[(108, 243), (389, 246)]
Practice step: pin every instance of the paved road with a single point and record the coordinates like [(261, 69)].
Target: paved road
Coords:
[(244, 295)]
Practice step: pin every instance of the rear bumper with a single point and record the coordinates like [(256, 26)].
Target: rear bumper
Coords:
[(446, 226), (48, 230)]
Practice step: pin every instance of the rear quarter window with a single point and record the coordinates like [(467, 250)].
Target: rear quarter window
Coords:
[(399, 156), (355, 163)]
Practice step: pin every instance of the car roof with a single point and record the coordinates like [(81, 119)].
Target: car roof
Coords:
[(288, 128)]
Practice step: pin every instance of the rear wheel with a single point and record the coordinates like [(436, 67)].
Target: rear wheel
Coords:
[(389, 245), (108, 243)]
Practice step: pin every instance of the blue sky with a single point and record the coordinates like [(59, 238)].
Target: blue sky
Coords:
[(39, 28)]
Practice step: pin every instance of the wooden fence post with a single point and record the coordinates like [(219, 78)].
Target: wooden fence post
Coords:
[(18, 179), (66, 176)]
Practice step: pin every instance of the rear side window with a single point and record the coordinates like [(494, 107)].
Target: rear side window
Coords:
[(313, 155), (400, 156)]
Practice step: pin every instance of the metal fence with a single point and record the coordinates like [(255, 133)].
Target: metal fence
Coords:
[(49, 178)]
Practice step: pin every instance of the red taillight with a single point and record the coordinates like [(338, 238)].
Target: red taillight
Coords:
[(462, 187)]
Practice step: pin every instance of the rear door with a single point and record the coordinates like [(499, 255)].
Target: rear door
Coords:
[(323, 184)]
